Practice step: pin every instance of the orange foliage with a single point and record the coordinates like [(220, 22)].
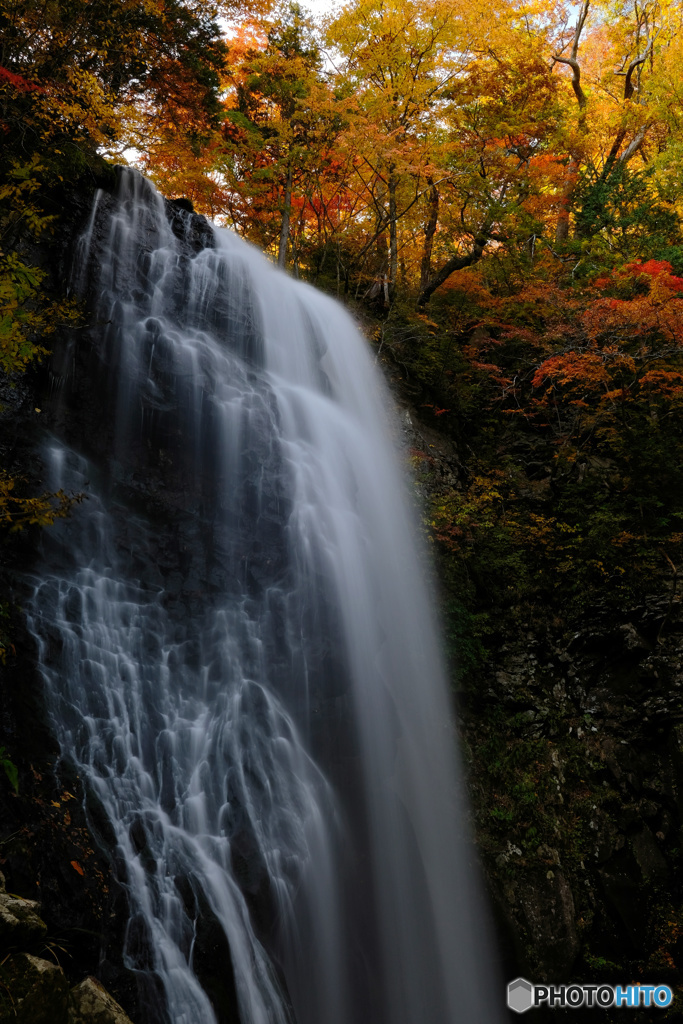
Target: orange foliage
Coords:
[(585, 370)]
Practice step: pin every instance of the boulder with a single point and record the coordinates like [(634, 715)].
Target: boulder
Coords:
[(34, 991), (90, 1003), (20, 925)]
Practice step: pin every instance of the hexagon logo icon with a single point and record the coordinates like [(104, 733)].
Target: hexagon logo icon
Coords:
[(520, 995)]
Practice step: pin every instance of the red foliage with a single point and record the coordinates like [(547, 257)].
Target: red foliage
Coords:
[(656, 270), (8, 78)]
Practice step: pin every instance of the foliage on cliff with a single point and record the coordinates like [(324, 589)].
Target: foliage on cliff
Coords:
[(570, 403)]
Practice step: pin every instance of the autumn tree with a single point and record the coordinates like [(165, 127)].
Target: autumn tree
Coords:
[(501, 117), (276, 129), (90, 65), (456, 108), (395, 60), (264, 168), (618, 62)]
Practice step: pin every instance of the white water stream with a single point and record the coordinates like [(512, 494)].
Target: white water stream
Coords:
[(268, 731)]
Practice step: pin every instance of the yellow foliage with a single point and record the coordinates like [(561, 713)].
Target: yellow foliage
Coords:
[(18, 512), (25, 314)]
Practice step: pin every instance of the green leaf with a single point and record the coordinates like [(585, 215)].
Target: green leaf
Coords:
[(10, 770)]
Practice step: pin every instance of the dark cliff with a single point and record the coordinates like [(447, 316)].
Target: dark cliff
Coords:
[(571, 723), (52, 850)]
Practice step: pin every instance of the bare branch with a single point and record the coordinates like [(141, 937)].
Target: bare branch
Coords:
[(576, 78), (583, 14), (455, 263), (572, 61), (634, 145), (629, 87)]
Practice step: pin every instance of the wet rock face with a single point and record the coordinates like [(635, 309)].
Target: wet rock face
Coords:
[(53, 853), (62, 845)]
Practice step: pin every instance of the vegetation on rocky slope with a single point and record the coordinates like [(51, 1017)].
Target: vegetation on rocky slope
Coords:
[(546, 445)]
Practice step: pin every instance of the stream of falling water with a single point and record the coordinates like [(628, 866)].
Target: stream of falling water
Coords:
[(262, 713)]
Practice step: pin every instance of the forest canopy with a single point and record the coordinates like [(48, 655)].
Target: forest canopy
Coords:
[(409, 140), (496, 188), (387, 146)]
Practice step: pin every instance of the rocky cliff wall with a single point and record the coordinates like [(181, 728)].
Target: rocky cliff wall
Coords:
[(574, 748)]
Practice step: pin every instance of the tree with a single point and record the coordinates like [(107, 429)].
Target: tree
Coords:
[(97, 69), (272, 90), (397, 59), (501, 118), (620, 71)]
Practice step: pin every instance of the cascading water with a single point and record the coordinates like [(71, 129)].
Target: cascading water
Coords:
[(237, 646)]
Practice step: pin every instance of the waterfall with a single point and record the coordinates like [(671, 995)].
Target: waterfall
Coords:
[(237, 644)]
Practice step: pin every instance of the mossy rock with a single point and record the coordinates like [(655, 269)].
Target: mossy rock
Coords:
[(33, 991), (90, 1003), (20, 925)]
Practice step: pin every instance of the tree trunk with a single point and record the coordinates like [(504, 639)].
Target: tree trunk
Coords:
[(381, 250), (455, 263), (284, 230), (393, 238), (430, 231), (562, 229)]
